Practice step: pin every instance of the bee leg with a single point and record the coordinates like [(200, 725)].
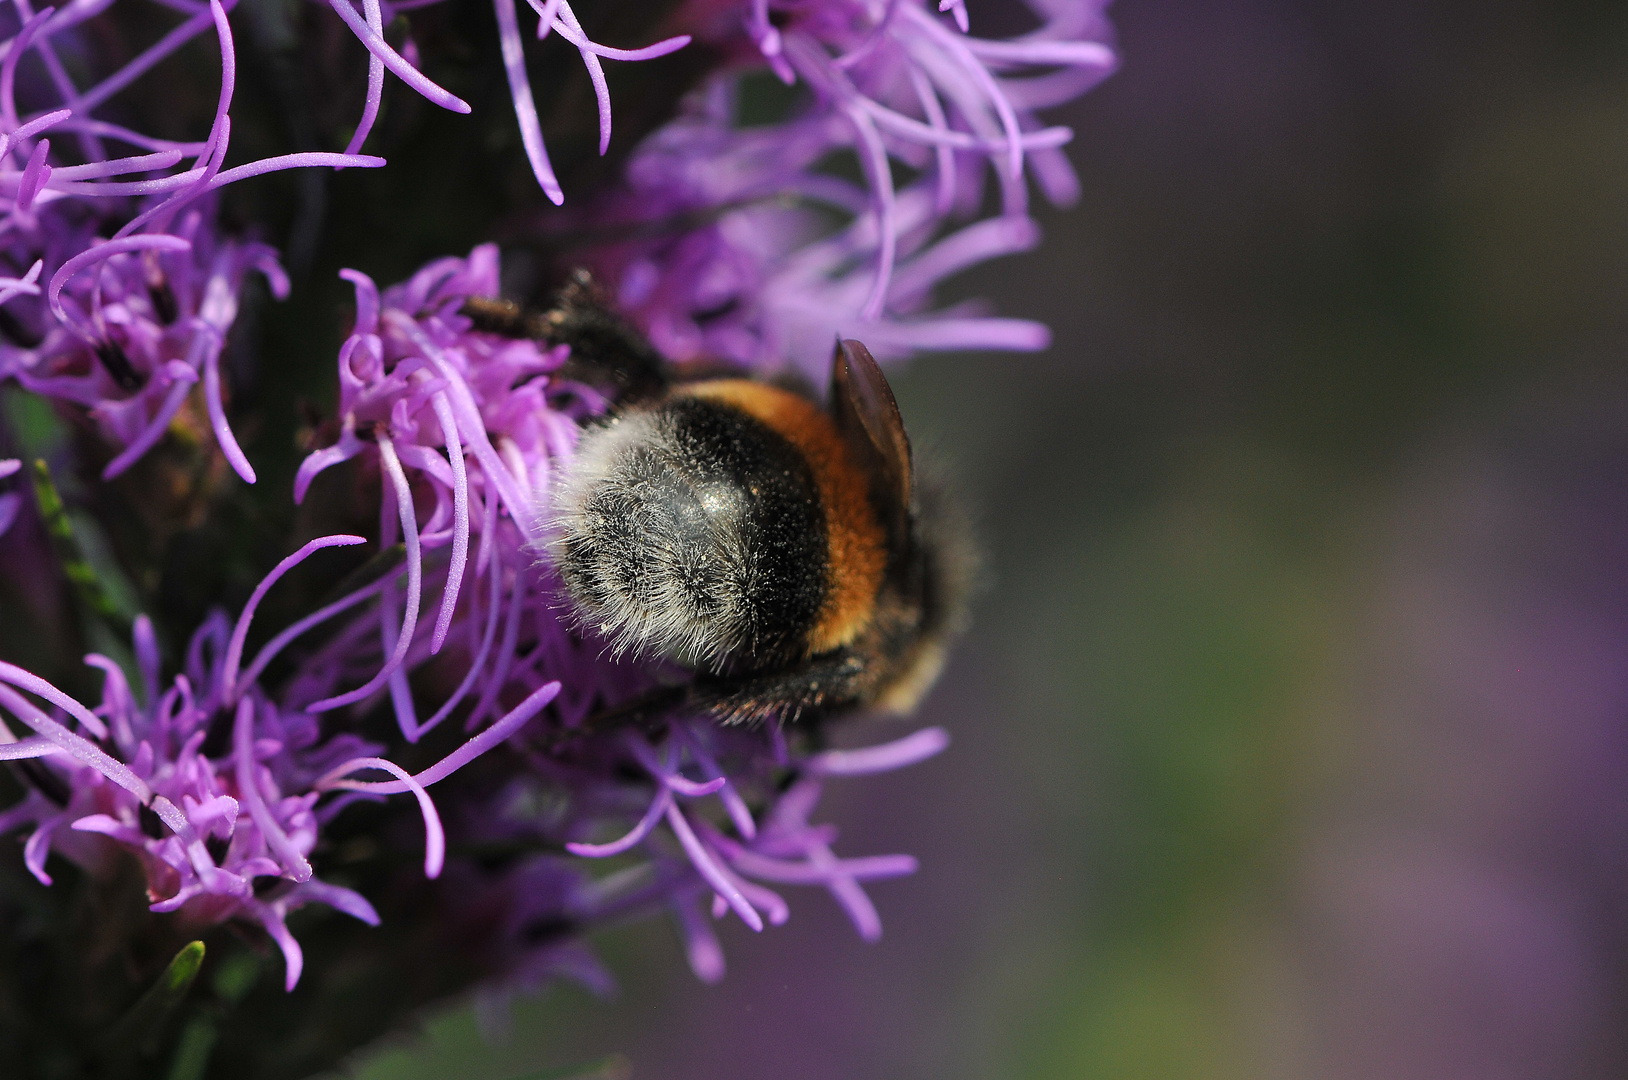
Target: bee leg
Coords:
[(805, 691), (647, 712), (605, 350), (603, 345), (498, 316)]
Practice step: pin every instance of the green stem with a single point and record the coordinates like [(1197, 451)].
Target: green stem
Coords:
[(88, 586)]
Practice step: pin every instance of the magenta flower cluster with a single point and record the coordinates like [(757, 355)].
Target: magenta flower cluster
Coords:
[(553, 16), (767, 280), (739, 246), (471, 426), (120, 291), (133, 771)]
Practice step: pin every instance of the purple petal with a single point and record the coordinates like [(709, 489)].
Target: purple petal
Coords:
[(39, 124), (710, 871), (505, 654), (93, 126), (376, 45), (513, 721), (248, 784), (546, 11), (658, 807), (666, 775), (957, 48), (877, 35), (596, 72), (1015, 335), (734, 805), (220, 129), (852, 898), (32, 747), (701, 947), (765, 900), (34, 718), (318, 460), (242, 172), (898, 754), (35, 174), (435, 841), (576, 37), (101, 253), (880, 174), (338, 897), (367, 301), (375, 80), (933, 109), (471, 427), (1072, 53), (154, 431), (525, 109), (17, 46), (217, 409), (478, 664), (974, 244), (460, 520), (272, 920), (38, 848), (11, 287), (864, 869), (277, 644), (415, 583), (118, 166), (240, 632)]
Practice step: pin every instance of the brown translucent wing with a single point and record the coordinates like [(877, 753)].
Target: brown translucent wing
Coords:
[(867, 416)]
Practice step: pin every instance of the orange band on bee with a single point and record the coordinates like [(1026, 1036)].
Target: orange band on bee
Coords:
[(856, 556)]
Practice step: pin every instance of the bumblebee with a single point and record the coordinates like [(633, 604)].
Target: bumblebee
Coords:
[(779, 547)]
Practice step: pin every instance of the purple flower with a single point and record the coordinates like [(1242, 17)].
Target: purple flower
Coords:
[(121, 292), (777, 845), (471, 427), (133, 339), (415, 380), (133, 772), (119, 301), (553, 16), (764, 280)]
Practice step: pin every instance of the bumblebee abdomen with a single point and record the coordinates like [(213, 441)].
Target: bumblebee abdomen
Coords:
[(695, 530)]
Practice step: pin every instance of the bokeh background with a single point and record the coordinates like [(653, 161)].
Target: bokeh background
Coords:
[(1292, 736)]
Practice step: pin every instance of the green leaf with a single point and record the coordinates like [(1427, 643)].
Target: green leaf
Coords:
[(192, 1050), (89, 585), (136, 1031), (31, 422), (235, 976)]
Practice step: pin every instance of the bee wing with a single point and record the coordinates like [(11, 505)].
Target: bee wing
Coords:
[(865, 412)]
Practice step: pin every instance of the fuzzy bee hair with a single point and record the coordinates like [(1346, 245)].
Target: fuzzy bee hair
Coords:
[(672, 545), (636, 578), (777, 545)]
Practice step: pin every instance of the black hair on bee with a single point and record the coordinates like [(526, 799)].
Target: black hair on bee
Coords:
[(776, 546)]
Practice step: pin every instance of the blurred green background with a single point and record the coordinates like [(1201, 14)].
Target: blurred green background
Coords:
[(1291, 736)]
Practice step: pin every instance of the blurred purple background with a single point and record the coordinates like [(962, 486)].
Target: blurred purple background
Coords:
[(1291, 740)]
